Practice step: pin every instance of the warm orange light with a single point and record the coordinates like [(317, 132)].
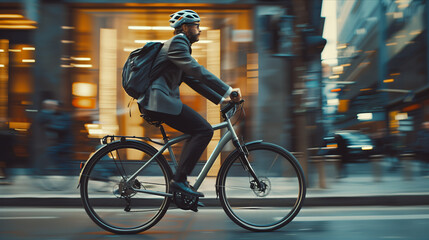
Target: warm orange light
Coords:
[(19, 125), (365, 89), (81, 58), (415, 32), (336, 90), (411, 107), (82, 89), (342, 46), (11, 16), (343, 106), (84, 103), (17, 27)]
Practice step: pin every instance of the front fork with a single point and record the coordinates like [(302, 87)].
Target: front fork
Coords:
[(243, 155)]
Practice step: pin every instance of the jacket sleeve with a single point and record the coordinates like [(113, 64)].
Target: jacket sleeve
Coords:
[(204, 90), (179, 54)]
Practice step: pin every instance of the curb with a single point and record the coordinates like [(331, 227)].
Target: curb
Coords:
[(391, 200), (330, 201)]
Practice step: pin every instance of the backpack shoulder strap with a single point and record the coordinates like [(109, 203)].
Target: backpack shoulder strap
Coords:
[(130, 104)]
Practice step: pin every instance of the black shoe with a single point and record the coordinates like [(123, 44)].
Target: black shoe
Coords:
[(199, 204), (185, 188)]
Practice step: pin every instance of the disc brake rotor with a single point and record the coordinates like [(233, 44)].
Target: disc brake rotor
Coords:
[(264, 189)]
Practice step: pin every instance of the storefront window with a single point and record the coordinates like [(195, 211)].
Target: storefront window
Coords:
[(16, 80), (105, 38)]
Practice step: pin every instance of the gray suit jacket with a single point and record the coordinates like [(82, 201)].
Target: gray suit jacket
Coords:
[(179, 66)]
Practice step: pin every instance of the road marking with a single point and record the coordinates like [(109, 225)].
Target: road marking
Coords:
[(27, 218), (362, 218), (363, 208)]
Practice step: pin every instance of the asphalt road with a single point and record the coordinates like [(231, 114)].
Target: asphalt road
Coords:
[(211, 223)]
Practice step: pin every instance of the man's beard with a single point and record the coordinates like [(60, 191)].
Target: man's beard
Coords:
[(193, 37)]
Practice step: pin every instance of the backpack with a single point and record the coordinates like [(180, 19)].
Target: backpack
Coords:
[(137, 71)]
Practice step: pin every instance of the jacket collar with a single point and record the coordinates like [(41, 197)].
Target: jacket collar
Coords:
[(182, 35), (187, 40)]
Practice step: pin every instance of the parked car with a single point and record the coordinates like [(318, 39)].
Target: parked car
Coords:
[(353, 146)]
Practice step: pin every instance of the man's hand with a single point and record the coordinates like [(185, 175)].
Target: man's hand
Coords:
[(233, 96)]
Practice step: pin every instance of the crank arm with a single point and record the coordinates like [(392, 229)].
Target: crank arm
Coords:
[(163, 194)]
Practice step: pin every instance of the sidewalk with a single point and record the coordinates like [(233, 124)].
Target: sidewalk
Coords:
[(361, 187)]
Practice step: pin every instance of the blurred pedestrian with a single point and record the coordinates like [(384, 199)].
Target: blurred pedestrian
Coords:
[(422, 147), (343, 151), (57, 127), (7, 144), (378, 140), (391, 152)]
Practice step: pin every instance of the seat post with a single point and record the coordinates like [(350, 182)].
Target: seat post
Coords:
[(164, 135)]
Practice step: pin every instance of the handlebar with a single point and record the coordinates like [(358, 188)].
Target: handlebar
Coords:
[(231, 103)]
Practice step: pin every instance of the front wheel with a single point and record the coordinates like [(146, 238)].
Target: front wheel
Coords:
[(111, 196), (272, 203)]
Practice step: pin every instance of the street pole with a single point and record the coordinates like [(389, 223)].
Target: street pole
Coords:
[(427, 44), (47, 72), (382, 62)]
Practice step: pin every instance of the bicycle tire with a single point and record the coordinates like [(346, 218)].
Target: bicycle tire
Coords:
[(119, 209), (259, 210)]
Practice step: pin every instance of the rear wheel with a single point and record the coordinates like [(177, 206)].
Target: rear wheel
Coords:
[(275, 201), (111, 201)]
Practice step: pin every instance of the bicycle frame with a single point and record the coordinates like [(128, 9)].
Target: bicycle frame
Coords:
[(229, 135)]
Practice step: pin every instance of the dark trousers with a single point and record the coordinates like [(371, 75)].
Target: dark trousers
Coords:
[(192, 123)]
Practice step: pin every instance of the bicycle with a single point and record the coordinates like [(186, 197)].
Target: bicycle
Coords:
[(260, 185)]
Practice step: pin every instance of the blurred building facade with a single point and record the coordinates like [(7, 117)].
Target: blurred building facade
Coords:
[(383, 67), (74, 51)]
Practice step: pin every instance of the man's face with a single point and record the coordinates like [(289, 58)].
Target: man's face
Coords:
[(192, 31)]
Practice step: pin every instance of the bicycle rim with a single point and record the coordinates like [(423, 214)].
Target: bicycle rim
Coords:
[(277, 202), (110, 203)]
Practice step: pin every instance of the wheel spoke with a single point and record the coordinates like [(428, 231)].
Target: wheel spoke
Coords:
[(236, 187)]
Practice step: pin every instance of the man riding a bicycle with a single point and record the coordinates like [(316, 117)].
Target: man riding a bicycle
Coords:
[(162, 100), (260, 185)]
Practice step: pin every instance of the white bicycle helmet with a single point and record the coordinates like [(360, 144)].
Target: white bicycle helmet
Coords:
[(183, 16)]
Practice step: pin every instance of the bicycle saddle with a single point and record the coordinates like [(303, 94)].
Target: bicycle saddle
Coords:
[(149, 120)]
